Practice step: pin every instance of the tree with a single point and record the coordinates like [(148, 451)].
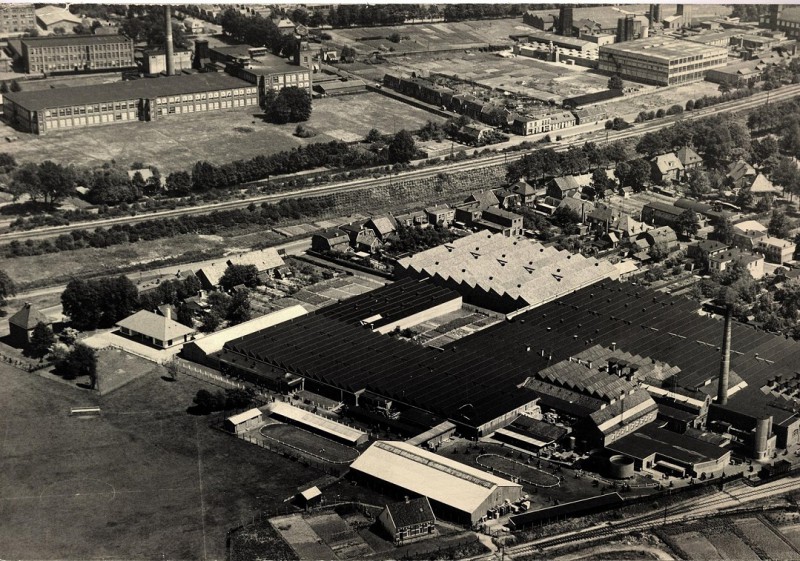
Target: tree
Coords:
[(764, 149), (724, 87), (374, 135), (99, 303), (348, 54), (698, 182), (615, 83), (291, 105), (42, 339), (687, 223), (638, 174), (235, 275), (7, 287), (401, 148), (690, 105), (723, 231), (4, 88), (779, 225), (15, 87), (239, 307), (786, 175), (600, 183), (82, 361), (81, 29), (660, 113), (179, 183), (56, 181)]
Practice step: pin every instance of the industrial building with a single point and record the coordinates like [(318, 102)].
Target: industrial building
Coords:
[(77, 53), (42, 111), (16, 18), (154, 61), (661, 61), (317, 424), (785, 19), (456, 491), (504, 274)]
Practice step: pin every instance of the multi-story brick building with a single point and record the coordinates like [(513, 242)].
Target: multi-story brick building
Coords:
[(79, 53), (16, 18), (42, 111)]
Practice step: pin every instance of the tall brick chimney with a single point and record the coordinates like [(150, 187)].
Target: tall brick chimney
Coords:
[(168, 40)]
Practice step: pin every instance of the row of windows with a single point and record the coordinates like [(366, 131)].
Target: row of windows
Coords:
[(96, 108), (210, 106), (117, 47), (80, 56), (69, 122), (276, 86), (206, 95)]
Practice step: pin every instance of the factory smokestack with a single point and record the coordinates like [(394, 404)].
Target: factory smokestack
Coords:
[(168, 40), (725, 365)]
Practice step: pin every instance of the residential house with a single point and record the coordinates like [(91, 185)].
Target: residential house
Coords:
[(562, 187), (775, 250), (506, 199), (689, 158), (629, 228), (526, 125), (331, 239), (740, 174), (760, 187), (352, 229), (485, 199), (467, 214), (412, 219), (577, 205), (153, 329), (663, 236), (499, 220), (22, 324), (666, 167), (752, 262), (210, 275), (265, 260), (702, 250), (366, 241), (328, 54), (193, 26), (561, 121), (440, 215), (747, 233), (474, 132), (661, 214), (384, 226), (408, 521), (525, 192)]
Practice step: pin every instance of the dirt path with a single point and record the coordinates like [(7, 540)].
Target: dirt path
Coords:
[(611, 549)]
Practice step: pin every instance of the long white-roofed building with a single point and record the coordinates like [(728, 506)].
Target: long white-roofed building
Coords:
[(456, 491)]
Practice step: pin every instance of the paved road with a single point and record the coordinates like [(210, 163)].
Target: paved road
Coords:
[(591, 132)]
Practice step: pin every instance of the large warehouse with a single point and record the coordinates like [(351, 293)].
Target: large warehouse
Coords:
[(661, 61), (77, 53), (456, 491), (149, 99), (504, 274)]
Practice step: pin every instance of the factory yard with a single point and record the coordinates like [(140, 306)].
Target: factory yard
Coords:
[(174, 144)]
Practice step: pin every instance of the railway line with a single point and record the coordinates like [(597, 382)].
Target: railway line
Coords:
[(683, 512), (787, 92)]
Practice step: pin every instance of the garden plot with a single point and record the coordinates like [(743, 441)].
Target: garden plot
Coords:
[(761, 537), (339, 536), (302, 537), (695, 545)]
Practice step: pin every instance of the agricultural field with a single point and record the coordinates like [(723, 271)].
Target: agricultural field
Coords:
[(73, 488), (747, 538), (311, 444), (218, 137)]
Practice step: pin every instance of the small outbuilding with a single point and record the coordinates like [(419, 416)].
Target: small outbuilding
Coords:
[(309, 497), (243, 422), (22, 324), (408, 521)]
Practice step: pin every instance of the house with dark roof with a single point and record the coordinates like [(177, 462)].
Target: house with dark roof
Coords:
[(666, 167), (562, 187), (156, 330), (664, 237), (506, 199), (22, 324), (485, 199), (702, 250), (526, 193), (383, 226), (752, 262), (408, 521), (440, 214), (740, 174), (332, 239), (498, 220), (689, 158), (661, 214)]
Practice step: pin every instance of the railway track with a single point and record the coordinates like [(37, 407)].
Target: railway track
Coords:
[(787, 92), (683, 512)]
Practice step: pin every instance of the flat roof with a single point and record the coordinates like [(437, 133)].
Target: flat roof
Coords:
[(67, 40), (680, 448), (444, 480), (127, 90), (574, 508), (662, 48)]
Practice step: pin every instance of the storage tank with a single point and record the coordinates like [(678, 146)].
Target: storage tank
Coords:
[(761, 440), (620, 467)]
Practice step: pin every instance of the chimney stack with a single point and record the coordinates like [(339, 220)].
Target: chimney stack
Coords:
[(168, 40), (725, 365)]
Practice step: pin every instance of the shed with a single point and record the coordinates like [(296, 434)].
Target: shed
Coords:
[(243, 422), (310, 497), (23, 323)]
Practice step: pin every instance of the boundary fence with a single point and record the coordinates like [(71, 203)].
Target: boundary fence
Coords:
[(306, 458), (516, 478)]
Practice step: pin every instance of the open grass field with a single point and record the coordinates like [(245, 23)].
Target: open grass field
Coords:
[(116, 368), (309, 443), (218, 137), (518, 470), (145, 480)]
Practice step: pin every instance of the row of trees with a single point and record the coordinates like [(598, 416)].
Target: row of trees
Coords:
[(258, 31), (264, 215), (577, 159)]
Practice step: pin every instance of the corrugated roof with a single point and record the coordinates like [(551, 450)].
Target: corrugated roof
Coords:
[(441, 479), (145, 88), (155, 326)]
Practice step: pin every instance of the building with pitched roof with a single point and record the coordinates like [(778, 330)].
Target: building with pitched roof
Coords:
[(383, 226), (485, 199), (156, 330), (666, 167), (456, 491), (661, 214), (51, 17), (753, 263), (740, 173), (689, 158), (210, 275), (526, 192), (563, 187), (264, 260), (775, 250), (331, 239), (22, 324), (409, 520), (760, 187)]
